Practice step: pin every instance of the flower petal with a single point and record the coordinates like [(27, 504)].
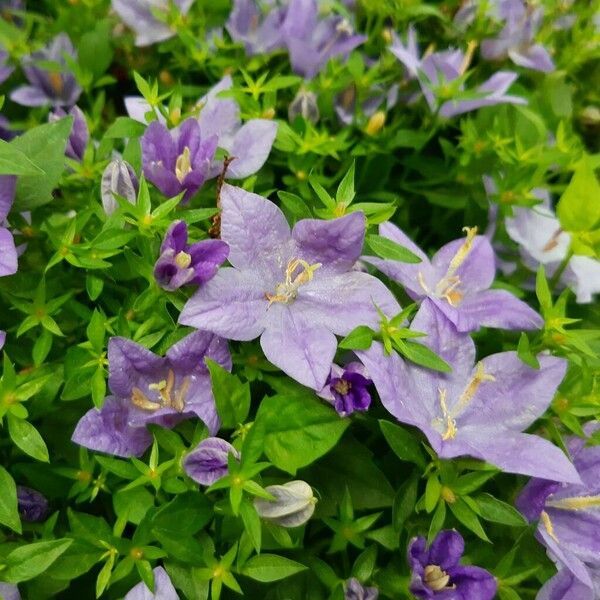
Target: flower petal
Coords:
[(8, 253), (163, 588), (446, 549), (187, 356)]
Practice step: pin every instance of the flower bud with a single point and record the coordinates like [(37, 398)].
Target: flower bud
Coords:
[(208, 462), (304, 105), (376, 123), (293, 505), (354, 590), (33, 506), (118, 178)]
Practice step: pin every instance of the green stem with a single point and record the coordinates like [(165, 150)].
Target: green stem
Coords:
[(561, 269)]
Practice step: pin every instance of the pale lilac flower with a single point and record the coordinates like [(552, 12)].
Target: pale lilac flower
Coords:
[(141, 16), (147, 388), (569, 516), (565, 586), (259, 33), (55, 88), (312, 41), (437, 572), (208, 462), (163, 588), (304, 105), (2, 339), (293, 504), (118, 178), (295, 288), (457, 280), (9, 591), (5, 69), (347, 388), (354, 590), (33, 506), (181, 263), (478, 409), (80, 134), (177, 161), (8, 251)]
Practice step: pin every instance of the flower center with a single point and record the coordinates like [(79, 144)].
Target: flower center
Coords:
[(56, 82), (436, 579), (183, 165), (342, 387), (183, 260), (297, 273), (168, 395)]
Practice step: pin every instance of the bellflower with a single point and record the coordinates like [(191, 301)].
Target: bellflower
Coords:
[(437, 572), (438, 70), (179, 160), (147, 388), (207, 463), (346, 388), (565, 586), (9, 591), (478, 409), (296, 289), (293, 504), (163, 588), (5, 69), (8, 251), (354, 590), (457, 280), (118, 178), (33, 506), (259, 33), (55, 88), (312, 41), (141, 16), (80, 134), (543, 242), (569, 519), (181, 264)]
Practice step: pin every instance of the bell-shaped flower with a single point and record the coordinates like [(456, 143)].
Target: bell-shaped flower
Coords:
[(480, 408), (209, 460), (293, 504), (457, 280), (8, 251), (163, 588), (146, 388), (347, 388), (49, 87), (296, 289), (148, 18), (80, 134)]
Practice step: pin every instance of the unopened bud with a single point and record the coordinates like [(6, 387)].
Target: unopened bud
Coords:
[(304, 105), (118, 178), (293, 505), (33, 506), (376, 123), (208, 462)]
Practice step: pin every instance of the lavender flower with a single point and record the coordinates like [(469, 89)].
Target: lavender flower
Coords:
[(8, 251), (457, 281), (55, 88), (569, 521), (177, 161), (208, 462), (565, 586), (147, 18), (296, 289), (346, 388), (354, 590), (183, 264), (437, 572), (292, 506), (9, 591), (312, 42), (80, 135), (118, 178), (163, 588), (476, 410), (304, 105), (2, 339), (5, 70), (33, 506), (147, 388)]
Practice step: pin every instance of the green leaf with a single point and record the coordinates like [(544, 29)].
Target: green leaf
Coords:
[(271, 567), (437, 521), (579, 207), (31, 560), (360, 338), (404, 502), (542, 290), (251, 522), (27, 438), (41, 347), (403, 443), (468, 518), (94, 48), (345, 192), (364, 565), (185, 515), (9, 513), (525, 354), (386, 248), (15, 162), (497, 511), (104, 575), (433, 490), (295, 205), (232, 397), (421, 355)]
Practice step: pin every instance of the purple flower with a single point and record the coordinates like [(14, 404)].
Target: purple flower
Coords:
[(56, 88), (354, 590), (496, 9), (6, 133), (478, 409), (569, 520), (296, 289), (9, 591), (312, 41), (304, 105), (8, 251), (565, 586), (118, 178), (177, 161), (259, 33), (457, 280), (141, 16), (80, 135), (2, 339), (163, 588), (5, 70), (437, 572), (346, 388), (147, 388), (33, 506), (183, 264), (208, 462)]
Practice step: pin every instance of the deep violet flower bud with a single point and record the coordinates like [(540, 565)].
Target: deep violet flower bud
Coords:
[(207, 463), (8, 591), (118, 178), (346, 388), (304, 105), (33, 506), (183, 264), (80, 134), (293, 506), (436, 570), (354, 590)]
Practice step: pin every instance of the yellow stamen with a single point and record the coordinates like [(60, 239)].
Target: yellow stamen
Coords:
[(553, 241), (139, 399), (179, 400), (472, 387), (183, 165), (183, 260), (451, 430), (548, 525), (342, 387), (56, 81), (435, 578), (287, 291), (468, 57), (463, 251), (577, 503), (169, 396), (422, 283)]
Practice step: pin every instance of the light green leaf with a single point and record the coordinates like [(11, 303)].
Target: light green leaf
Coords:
[(9, 513), (27, 438), (270, 567)]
